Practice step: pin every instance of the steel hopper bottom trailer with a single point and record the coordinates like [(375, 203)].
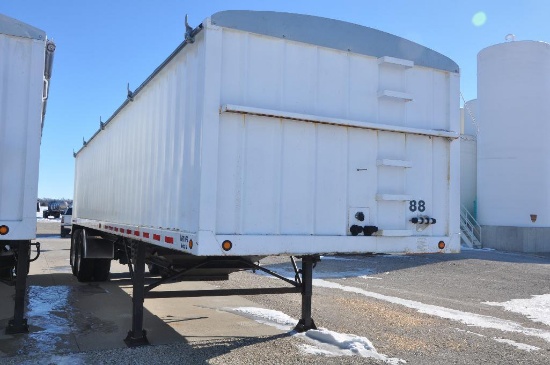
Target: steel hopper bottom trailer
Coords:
[(269, 133)]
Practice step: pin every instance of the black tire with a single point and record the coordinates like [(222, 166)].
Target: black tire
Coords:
[(63, 233), (84, 267), (154, 270), (45, 214), (102, 268), (73, 252)]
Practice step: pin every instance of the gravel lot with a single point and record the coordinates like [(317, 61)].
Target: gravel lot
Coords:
[(423, 309)]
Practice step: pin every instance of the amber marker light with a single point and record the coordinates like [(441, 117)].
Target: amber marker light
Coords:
[(4, 230), (227, 245), (441, 245), (190, 243)]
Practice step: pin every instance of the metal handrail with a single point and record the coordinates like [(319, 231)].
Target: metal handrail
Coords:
[(470, 226)]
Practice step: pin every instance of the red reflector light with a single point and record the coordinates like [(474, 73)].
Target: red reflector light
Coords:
[(169, 239)]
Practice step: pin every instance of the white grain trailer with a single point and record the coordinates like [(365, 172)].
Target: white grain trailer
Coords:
[(270, 133), (25, 68)]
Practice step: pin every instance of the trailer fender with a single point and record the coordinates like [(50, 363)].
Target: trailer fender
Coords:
[(96, 247)]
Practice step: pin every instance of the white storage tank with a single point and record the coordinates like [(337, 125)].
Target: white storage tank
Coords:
[(471, 120), (513, 149)]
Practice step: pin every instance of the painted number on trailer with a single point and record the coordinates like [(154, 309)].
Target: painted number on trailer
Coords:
[(184, 240), (420, 206)]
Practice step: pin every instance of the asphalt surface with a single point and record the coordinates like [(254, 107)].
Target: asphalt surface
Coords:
[(422, 309)]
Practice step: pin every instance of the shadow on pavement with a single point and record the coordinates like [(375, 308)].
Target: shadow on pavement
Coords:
[(348, 266), (79, 317)]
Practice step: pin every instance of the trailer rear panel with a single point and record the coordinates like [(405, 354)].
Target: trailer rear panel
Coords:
[(22, 62)]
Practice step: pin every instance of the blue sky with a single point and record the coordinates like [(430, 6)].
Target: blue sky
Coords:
[(104, 44)]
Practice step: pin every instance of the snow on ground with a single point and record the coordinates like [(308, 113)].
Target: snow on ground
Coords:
[(470, 319), (536, 308), (521, 346), (369, 277), (470, 332), (48, 220), (267, 316), (322, 341), (466, 248)]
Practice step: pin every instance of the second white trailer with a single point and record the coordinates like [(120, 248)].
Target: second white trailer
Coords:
[(269, 133), (26, 58)]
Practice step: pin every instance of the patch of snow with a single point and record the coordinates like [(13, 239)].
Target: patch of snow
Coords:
[(323, 342), (47, 220), (312, 350), (536, 308), (343, 344), (369, 277), (470, 332), (519, 345), (466, 248), (470, 319), (267, 316)]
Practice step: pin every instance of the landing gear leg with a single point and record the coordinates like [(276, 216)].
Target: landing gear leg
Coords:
[(306, 322), (137, 336), (19, 324)]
